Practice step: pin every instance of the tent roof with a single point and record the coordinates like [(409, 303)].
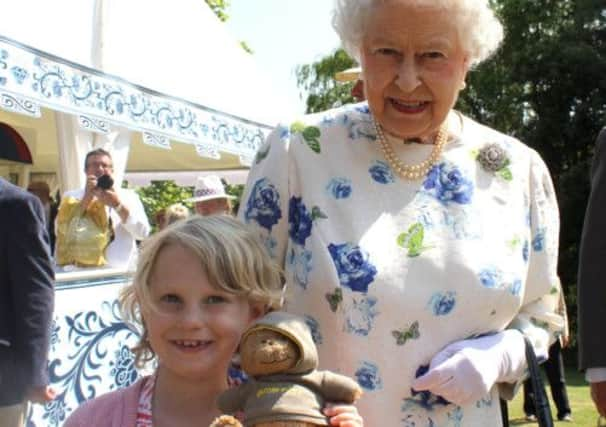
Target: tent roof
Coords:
[(179, 48)]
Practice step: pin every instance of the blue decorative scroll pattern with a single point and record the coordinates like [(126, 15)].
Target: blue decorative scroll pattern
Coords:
[(98, 360), (64, 86)]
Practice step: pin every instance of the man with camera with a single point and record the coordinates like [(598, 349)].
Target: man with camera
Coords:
[(125, 213)]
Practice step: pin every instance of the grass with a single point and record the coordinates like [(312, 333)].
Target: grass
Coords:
[(584, 413)]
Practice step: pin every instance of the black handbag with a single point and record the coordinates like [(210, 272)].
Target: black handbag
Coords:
[(539, 396), (541, 403)]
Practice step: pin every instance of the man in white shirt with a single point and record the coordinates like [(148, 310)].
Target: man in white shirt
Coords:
[(125, 210)]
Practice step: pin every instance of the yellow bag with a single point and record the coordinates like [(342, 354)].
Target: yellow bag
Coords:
[(82, 236)]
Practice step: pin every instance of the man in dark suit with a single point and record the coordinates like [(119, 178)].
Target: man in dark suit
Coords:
[(26, 304), (592, 281)]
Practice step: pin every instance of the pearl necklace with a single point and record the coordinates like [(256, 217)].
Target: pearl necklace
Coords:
[(411, 172)]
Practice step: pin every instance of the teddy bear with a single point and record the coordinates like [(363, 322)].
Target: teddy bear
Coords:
[(285, 388), (226, 421)]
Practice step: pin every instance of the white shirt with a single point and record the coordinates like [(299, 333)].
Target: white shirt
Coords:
[(122, 252)]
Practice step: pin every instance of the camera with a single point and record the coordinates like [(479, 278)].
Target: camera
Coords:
[(105, 182)]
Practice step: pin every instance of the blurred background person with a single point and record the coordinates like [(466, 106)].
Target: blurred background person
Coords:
[(174, 213), (210, 197)]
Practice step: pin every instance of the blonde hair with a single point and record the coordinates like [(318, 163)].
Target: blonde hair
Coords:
[(480, 30), (174, 213), (231, 255)]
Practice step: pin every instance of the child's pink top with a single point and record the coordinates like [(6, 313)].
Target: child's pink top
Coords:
[(116, 409)]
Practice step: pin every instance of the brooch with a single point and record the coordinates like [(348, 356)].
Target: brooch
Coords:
[(493, 159)]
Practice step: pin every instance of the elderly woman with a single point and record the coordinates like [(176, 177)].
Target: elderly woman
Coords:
[(419, 244)]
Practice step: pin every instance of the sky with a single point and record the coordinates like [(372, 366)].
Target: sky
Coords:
[(284, 34)]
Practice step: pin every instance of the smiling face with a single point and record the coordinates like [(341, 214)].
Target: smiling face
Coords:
[(265, 352), (413, 67), (194, 327)]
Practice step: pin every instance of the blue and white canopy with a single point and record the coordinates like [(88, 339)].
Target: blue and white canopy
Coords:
[(167, 69)]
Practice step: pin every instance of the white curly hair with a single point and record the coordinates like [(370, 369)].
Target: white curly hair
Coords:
[(480, 30)]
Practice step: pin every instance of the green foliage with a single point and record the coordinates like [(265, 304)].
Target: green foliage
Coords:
[(219, 7), (161, 194), (235, 190), (318, 80)]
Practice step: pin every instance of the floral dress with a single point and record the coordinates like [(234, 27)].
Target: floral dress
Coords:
[(389, 271)]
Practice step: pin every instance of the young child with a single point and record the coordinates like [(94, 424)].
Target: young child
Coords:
[(198, 286)]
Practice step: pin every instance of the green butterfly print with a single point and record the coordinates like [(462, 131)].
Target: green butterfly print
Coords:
[(413, 240), (316, 213), (310, 134), (334, 299), (262, 153), (412, 333)]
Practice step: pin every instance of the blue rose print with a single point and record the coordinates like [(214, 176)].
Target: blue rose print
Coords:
[(299, 261), (270, 244), (299, 221), (361, 129), (284, 133), (263, 204), (525, 251), (339, 188), (354, 270), (368, 376), (442, 303), (456, 416), (490, 277), (538, 241), (361, 316), (235, 375), (314, 327), (484, 402), (363, 109), (425, 399), (516, 287), (448, 184), (381, 173)]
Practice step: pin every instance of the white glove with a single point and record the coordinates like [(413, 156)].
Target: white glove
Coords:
[(465, 371)]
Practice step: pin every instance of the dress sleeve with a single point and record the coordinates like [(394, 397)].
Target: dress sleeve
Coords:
[(538, 316), (264, 203)]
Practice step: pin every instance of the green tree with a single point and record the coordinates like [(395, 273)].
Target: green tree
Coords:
[(546, 86), (161, 194), (318, 81)]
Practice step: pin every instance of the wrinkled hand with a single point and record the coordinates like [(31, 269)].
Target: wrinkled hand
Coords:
[(598, 394), (465, 371), (343, 415), (41, 394)]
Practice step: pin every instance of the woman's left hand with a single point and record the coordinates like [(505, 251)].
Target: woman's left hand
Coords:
[(465, 371), (343, 415)]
